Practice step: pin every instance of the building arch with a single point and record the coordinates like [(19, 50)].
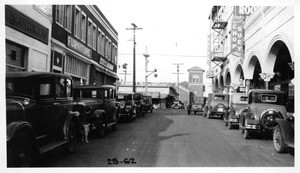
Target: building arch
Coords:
[(227, 75), (281, 65), (253, 71)]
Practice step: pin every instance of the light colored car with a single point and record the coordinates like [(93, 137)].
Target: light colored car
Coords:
[(264, 106), (237, 102), (217, 105)]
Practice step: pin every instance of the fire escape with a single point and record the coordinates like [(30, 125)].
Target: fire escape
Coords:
[(218, 25)]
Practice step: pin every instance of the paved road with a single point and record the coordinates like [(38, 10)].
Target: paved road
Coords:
[(171, 138)]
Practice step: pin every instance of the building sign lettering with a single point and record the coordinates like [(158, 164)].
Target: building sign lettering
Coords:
[(244, 10), (237, 36), (79, 47), (26, 25), (106, 64)]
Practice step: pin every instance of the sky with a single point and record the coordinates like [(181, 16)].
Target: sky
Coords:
[(173, 31)]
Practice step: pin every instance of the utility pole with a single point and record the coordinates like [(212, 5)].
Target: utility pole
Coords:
[(146, 55), (134, 28), (178, 64)]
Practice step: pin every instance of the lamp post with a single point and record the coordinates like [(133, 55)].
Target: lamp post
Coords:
[(134, 28)]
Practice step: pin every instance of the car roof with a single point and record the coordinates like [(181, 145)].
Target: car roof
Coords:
[(265, 91), (124, 92), (94, 86), (32, 74)]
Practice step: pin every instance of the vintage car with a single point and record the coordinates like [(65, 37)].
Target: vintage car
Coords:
[(126, 105), (148, 104), (264, 106), (177, 105), (217, 105), (237, 101), (39, 116), (140, 105), (97, 106), (283, 134), (196, 104)]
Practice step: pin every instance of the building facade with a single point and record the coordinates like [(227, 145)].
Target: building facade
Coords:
[(252, 47), (84, 44), (163, 94), (27, 37), (196, 81)]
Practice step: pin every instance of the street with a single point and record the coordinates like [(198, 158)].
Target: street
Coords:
[(171, 138)]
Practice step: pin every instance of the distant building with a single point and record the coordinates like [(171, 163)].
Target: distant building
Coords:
[(163, 94), (195, 82)]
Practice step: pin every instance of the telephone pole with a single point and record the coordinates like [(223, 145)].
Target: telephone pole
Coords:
[(134, 28), (178, 64)]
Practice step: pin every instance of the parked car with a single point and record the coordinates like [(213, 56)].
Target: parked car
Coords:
[(196, 104), (217, 105), (126, 105), (237, 101), (39, 115), (283, 134), (148, 104), (140, 105), (97, 106), (264, 106)]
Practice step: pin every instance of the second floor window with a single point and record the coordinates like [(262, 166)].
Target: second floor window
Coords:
[(83, 27), (90, 33), (77, 23), (59, 18), (68, 17)]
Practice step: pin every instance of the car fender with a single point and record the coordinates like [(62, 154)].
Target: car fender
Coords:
[(72, 116), (287, 131), (16, 127), (99, 113)]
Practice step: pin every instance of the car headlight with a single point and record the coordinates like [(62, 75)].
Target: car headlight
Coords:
[(128, 108), (122, 106), (88, 109)]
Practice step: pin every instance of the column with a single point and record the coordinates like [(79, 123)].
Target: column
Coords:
[(267, 77)]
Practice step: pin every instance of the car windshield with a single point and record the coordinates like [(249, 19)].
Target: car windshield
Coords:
[(19, 86), (124, 97), (220, 97), (88, 93), (199, 99)]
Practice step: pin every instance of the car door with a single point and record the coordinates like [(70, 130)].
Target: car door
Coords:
[(44, 106), (62, 102), (108, 103)]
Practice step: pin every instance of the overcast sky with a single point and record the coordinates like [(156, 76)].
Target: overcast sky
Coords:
[(173, 31)]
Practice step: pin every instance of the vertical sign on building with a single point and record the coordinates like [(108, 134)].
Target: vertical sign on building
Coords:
[(237, 36)]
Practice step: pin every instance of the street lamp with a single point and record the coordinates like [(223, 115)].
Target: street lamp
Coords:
[(134, 28), (151, 72)]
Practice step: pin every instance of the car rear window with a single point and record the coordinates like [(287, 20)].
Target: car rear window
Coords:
[(268, 98)]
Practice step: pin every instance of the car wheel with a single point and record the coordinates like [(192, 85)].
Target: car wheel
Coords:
[(72, 138), (19, 153), (114, 127), (208, 114), (230, 125), (246, 134), (279, 145), (241, 129)]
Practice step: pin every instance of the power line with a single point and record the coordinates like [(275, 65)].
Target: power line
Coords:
[(200, 56)]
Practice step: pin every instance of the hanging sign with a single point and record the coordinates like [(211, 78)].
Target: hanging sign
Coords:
[(237, 36)]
